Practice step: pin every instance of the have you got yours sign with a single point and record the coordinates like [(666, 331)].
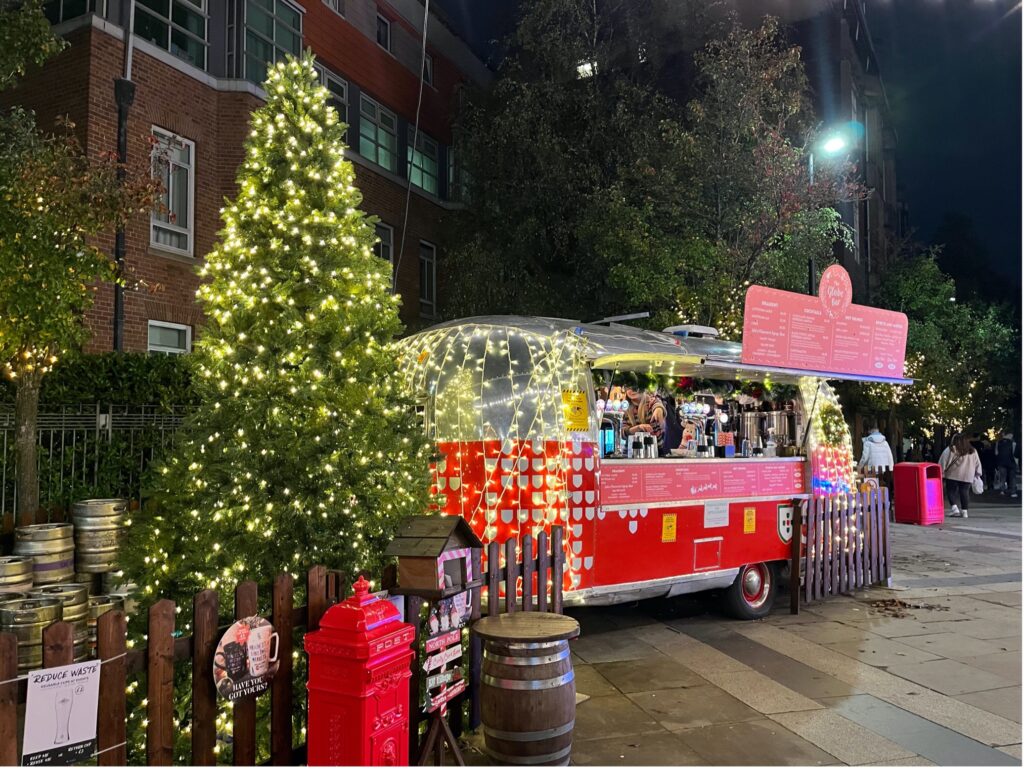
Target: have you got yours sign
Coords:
[(246, 658)]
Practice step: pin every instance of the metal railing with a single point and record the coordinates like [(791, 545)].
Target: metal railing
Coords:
[(87, 450)]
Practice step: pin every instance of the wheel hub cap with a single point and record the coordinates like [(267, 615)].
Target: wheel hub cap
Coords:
[(752, 583)]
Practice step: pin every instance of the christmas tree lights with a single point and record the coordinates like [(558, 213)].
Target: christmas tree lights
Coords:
[(305, 449)]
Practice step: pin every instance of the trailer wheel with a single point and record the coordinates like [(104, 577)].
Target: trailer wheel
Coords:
[(751, 594)]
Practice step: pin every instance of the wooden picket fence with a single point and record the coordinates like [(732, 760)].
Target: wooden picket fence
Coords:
[(538, 564), (847, 543), (324, 587)]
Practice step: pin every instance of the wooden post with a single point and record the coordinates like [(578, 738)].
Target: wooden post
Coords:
[(511, 575), (111, 646), (885, 529), (205, 607), (528, 571), (557, 566), (543, 564), (412, 606), (9, 700), (316, 597), (794, 560), (475, 647), (281, 685), (493, 576), (160, 684), (244, 716), (58, 645)]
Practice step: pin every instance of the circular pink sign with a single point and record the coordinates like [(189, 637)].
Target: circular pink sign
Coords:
[(835, 291)]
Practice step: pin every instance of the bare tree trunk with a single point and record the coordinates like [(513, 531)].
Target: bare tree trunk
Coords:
[(26, 444)]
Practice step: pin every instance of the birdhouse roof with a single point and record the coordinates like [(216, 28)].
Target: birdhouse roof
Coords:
[(430, 536)]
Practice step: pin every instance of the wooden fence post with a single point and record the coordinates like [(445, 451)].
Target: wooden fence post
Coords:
[(111, 648), (281, 686), (557, 567), (244, 715), (511, 575), (58, 645), (528, 572), (316, 596), (543, 563), (8, 700), (493, 576), (475, 646), (205, 609), (160, 684), (794, 559)]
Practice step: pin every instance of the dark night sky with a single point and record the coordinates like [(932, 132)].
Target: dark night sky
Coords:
[(952, 70)]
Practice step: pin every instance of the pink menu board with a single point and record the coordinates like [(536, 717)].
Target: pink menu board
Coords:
[(827, 333), (634, 483)]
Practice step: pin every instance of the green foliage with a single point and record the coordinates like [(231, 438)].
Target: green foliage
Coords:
[(26, 38)]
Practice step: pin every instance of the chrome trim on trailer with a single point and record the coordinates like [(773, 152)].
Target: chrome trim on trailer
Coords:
[(650, 589)]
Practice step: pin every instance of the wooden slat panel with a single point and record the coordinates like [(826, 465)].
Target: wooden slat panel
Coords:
[(111, 644), (543, 565), (281, 685), (511, 575), (160, 684), (9, 700), (859, 521), (493, 578), (528, 572), (316, 596), (205, 606), (244, 710), (876, 558), (58, 645), (848, 541), (557, 568)]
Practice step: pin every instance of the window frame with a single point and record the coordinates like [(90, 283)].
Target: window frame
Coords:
[(410, 160), (163, 350), (172, 26), (92, 6), (190, 230), (387, 23), (428, 69), (328, 75), (338, 6), (363, 118), (299, 11), (391, 241), (432, 300)]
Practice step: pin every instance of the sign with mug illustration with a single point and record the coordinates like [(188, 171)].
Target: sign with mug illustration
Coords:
[(246, 658)]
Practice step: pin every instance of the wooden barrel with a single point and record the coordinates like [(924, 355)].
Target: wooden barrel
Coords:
[(16, 574), (52, 548), (528, 702)]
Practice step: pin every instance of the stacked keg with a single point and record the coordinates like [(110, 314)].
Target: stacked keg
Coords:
[(98, 527), (52, 549), (15, 575), (97, 606), (74, 598), (26, 618)]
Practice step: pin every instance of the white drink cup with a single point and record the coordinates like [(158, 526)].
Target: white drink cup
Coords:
[(261, 639)]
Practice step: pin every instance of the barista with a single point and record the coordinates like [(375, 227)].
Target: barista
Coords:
[(646, 412)]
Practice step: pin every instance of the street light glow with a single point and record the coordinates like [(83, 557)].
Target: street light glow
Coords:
[(833, 145)]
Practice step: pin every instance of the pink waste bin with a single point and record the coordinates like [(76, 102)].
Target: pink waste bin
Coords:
[(917, 493)]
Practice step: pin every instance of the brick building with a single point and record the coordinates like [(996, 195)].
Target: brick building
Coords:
[(197, 66)]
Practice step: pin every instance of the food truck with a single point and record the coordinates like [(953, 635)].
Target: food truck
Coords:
[(527, 420)]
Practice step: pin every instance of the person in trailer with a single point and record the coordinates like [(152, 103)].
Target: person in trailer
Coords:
[(646, 412)]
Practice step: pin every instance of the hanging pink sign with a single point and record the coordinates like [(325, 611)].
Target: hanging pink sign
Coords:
[(827, 333)]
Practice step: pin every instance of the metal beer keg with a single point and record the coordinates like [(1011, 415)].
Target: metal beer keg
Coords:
[(26, 619), (75, 598), (98, 526), (97, 606), (15, 574), (52, 549)]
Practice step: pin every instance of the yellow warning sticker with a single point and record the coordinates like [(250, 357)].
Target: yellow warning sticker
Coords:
[(576, 411), (668, 528), (749, 520)]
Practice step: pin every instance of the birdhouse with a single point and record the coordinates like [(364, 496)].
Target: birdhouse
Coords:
[(435, 555)]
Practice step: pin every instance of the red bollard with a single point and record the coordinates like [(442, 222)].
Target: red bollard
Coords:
[(359, 683)]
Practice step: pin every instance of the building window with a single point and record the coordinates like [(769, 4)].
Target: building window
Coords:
[(385, 247), (338, 6), (378, 134), (456, 178), (337, 89), (178, 26), (423, 161), (171, 225), (383, 33), (273, 29), (57, 11), (428, 69), (428, 280), (169, 339)]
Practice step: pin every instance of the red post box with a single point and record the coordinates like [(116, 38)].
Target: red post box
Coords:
[(917, 493), (359, 683)]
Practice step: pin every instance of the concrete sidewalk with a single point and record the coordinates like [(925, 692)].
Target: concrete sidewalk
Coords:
[(933, 678)]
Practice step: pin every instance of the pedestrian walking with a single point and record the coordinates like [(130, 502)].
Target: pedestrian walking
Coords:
[(876, 455), (1006, 462), (960, 466)]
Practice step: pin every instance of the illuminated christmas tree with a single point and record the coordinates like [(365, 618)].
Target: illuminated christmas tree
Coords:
[(305, 450)]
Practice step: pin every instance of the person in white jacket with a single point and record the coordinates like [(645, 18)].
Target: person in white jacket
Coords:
[(960, 464), (877, 454)]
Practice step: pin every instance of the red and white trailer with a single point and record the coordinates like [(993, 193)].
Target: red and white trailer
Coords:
[(510, 403)]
